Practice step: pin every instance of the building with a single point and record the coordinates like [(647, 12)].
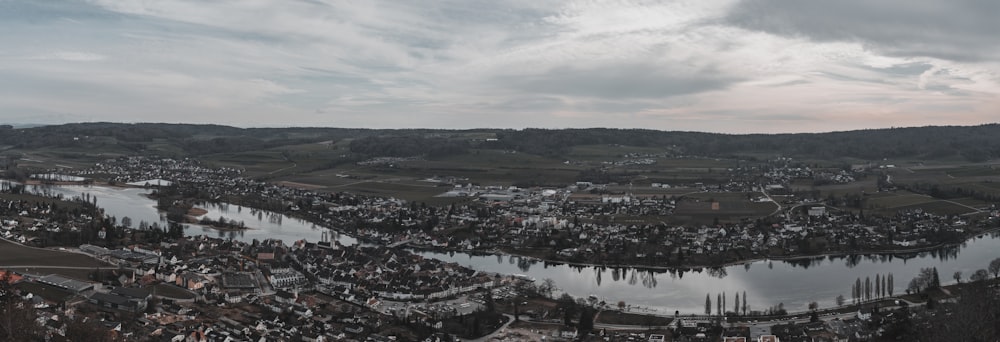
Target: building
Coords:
[(64, 283), (118, 302)]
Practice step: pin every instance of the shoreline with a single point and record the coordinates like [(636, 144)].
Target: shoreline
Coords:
[(498, 252), (694, 266)]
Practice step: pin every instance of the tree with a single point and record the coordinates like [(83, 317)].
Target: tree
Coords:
[(548, 285), (490, 304), (586, 321), (718, 304), (745, 307), (81, 329), (840, 300), (884, 283), (868, 288), (890, 285), (736, 307), (957, 276), (17, 316), (935, 280), (878, 285), (813, 306), (857, 286), (980, 275), (708, 304), (854, 293), (568, 306), (995, 267)]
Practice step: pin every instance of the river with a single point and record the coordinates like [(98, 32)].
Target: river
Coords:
[(766, 283)]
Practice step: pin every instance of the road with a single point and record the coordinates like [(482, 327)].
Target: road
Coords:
[(763, 191)]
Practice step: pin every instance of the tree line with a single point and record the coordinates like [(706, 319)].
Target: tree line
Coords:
[(972, 143)]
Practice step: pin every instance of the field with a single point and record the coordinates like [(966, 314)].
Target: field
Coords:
[(16, 255), (890, 203), (707, 206)]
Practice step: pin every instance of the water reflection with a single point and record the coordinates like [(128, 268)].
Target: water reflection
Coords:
[(134, 203), (792, 282)]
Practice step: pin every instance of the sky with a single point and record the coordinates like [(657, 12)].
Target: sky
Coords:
[(731, 66)]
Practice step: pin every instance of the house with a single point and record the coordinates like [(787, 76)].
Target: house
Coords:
[(284, 297), (769, 338), (817, 211), (192, 281)]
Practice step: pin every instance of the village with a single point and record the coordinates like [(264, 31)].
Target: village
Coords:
[(591, 223)]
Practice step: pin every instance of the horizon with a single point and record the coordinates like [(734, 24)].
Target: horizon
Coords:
[(30, 125), (723, 66)]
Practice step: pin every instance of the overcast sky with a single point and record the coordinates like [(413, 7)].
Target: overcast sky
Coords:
[(701, 65)]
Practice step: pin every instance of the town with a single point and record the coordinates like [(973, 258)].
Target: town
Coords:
[(154, 281)]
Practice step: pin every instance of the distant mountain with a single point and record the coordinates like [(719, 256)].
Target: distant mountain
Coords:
[(972, 143), (21, 125)]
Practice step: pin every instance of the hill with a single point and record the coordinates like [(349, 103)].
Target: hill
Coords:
[(971, 143)]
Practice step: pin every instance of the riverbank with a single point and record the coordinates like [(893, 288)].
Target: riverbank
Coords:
[(686, 267)]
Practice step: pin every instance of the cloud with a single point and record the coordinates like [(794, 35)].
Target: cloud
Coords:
[(958, 30), (72, 56), (619, 81), (719, 65)]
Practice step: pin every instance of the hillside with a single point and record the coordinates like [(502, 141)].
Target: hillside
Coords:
[(971, 143)]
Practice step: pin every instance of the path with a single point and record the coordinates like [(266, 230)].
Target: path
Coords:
[(763, 191)]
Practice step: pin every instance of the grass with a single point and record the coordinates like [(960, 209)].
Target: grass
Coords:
[(17, 255)]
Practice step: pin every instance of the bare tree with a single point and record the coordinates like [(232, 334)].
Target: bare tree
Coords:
[(840, 300), (980, 275), (995, 267)]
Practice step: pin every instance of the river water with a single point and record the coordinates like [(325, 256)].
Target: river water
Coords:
[(766, 283)]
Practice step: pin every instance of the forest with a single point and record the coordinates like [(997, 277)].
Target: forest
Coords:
[(965, 143)]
